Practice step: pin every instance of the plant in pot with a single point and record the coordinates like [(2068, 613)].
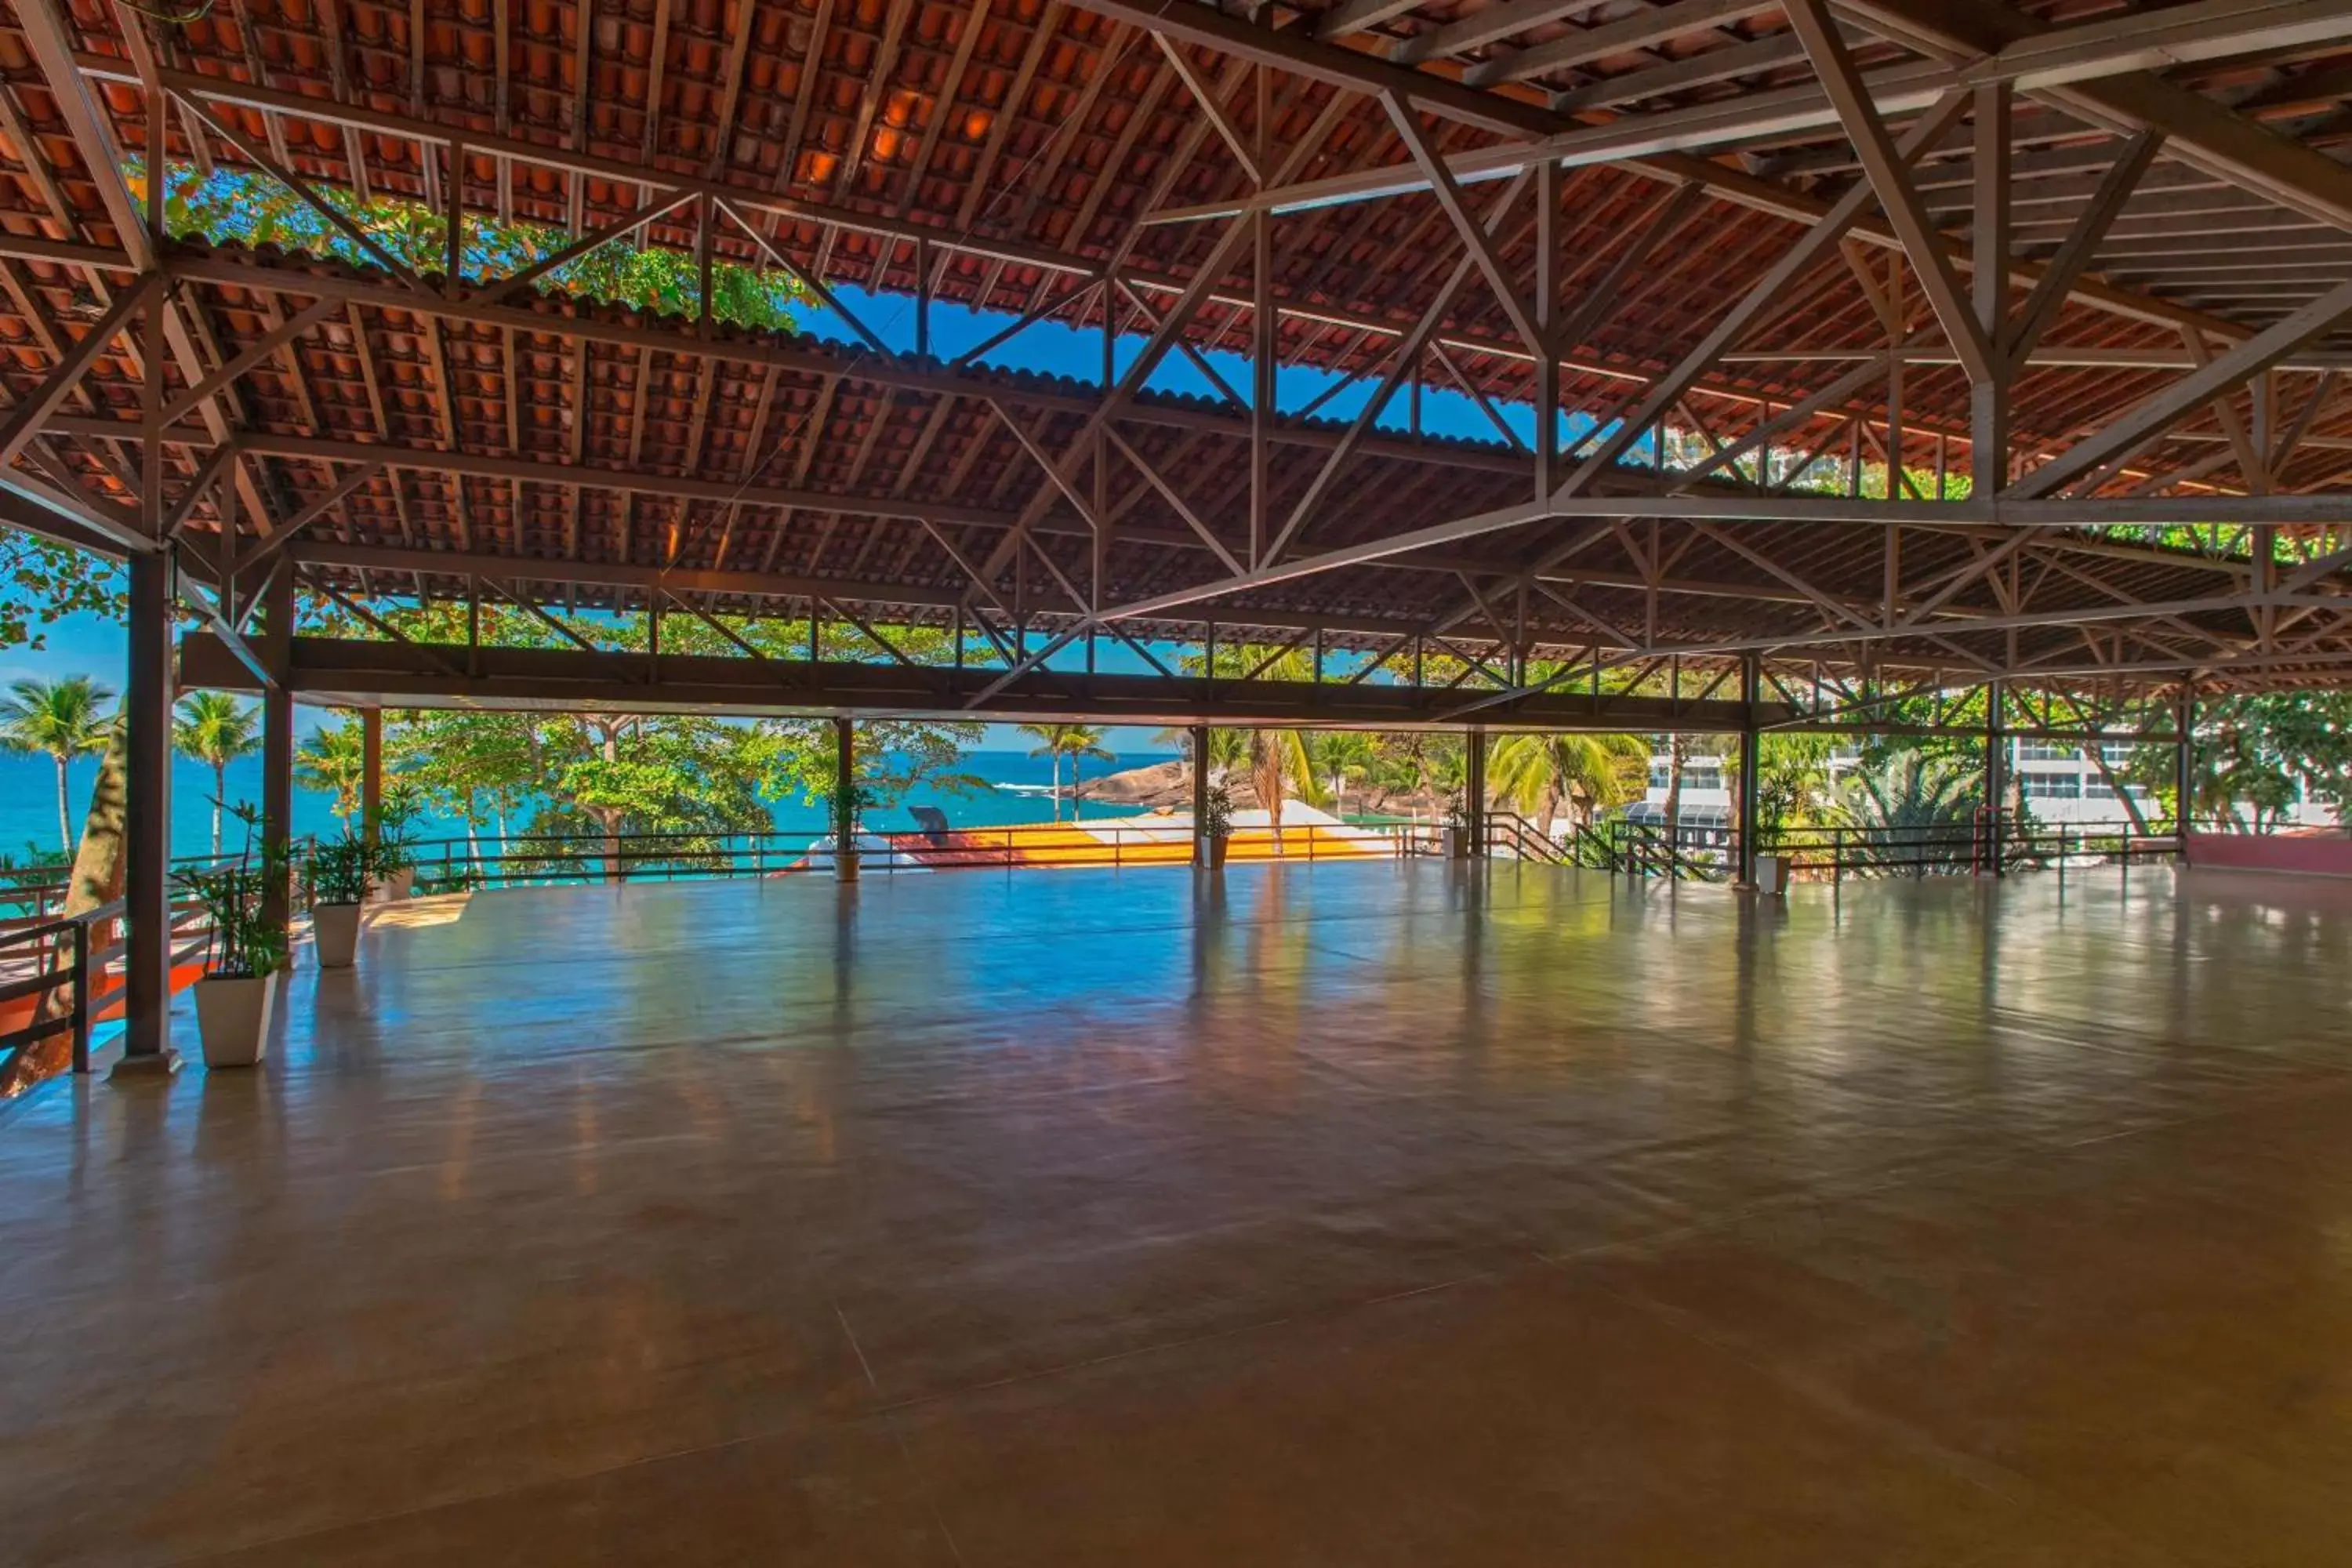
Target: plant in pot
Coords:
[(846, 812), (336, 878), (1216, 825), (239, 990), (392, 868), (1456, 832), (393, 876)]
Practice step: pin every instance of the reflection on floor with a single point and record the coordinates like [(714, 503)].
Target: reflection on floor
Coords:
[(1358, 1214)]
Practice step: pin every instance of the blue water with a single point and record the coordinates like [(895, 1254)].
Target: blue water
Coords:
[(28, 801)]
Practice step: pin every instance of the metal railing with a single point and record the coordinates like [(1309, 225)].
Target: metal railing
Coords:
[(448, 865), (1834, 854), (1508, 836), (1511, 836)]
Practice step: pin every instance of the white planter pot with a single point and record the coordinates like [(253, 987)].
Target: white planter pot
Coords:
[(401, 885), (1772, 874), (1214, 853), (1455, 842), (233, 1019), (335, 931)]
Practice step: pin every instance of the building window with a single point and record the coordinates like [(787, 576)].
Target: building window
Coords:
[(2051, 786)]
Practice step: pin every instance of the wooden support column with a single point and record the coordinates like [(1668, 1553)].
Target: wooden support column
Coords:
[(1547, 474), (1197, 738), (1751, 765), (2184, 764), (372, 772), (1474, 794), (845, 799), (1996, 772), (147, 847), (277, 734), (147, 746), (1989, 398)]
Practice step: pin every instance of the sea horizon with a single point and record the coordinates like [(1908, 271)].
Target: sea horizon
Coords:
[(29, 829)]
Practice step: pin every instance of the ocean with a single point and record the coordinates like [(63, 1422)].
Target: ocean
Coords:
[(28, 801)]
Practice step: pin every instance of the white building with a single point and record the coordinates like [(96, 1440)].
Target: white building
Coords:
[(2057, 781)]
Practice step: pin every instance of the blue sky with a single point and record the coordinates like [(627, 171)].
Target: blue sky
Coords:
[(93, 645)]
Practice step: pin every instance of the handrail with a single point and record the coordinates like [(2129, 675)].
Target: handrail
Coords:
[(62, 953), (1834, 853), (537, 859), (1525, 841), (43, 978), (17, 889)]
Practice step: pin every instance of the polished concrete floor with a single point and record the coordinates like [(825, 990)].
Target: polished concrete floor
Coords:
[(1357, 1214)]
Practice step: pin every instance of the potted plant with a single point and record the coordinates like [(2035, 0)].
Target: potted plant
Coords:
[(1456, 834), (392, 870), (393, 879), (1216, 825), (847, 811), (336, 878), (239, 990)]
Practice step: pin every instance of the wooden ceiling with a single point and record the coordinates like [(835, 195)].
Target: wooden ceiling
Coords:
[(1010, 155)]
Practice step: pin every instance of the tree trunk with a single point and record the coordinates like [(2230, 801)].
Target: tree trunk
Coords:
[(220, 794), (610, 819), (1057, 786), (96, 879), (1265, 777), (1077, 782), (2098, 757), (1677, 754), (65, 817)]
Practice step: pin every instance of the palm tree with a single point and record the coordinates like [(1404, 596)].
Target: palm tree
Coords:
[(62, 719), (215, 729), (1912, 807), (1079, 742), (1274, 757), (1049, 739), (1678, 751), (1536, 773), (1345, 757), (334, 760)]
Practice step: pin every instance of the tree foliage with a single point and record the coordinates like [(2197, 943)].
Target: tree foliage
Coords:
[(1588, 773), (252, 209), (60, 720), (333, 761), (42, 582), (215, 729), (1793, 784), (2254, 756), (1913, 806)]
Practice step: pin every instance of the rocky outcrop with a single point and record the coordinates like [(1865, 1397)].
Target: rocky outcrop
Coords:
[(1169, 785), (1160, 784)]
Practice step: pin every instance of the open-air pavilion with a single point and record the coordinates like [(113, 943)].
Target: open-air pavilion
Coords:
[(1425, 1210)]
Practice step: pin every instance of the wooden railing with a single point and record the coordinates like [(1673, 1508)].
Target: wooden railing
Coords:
[(70, 967)]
